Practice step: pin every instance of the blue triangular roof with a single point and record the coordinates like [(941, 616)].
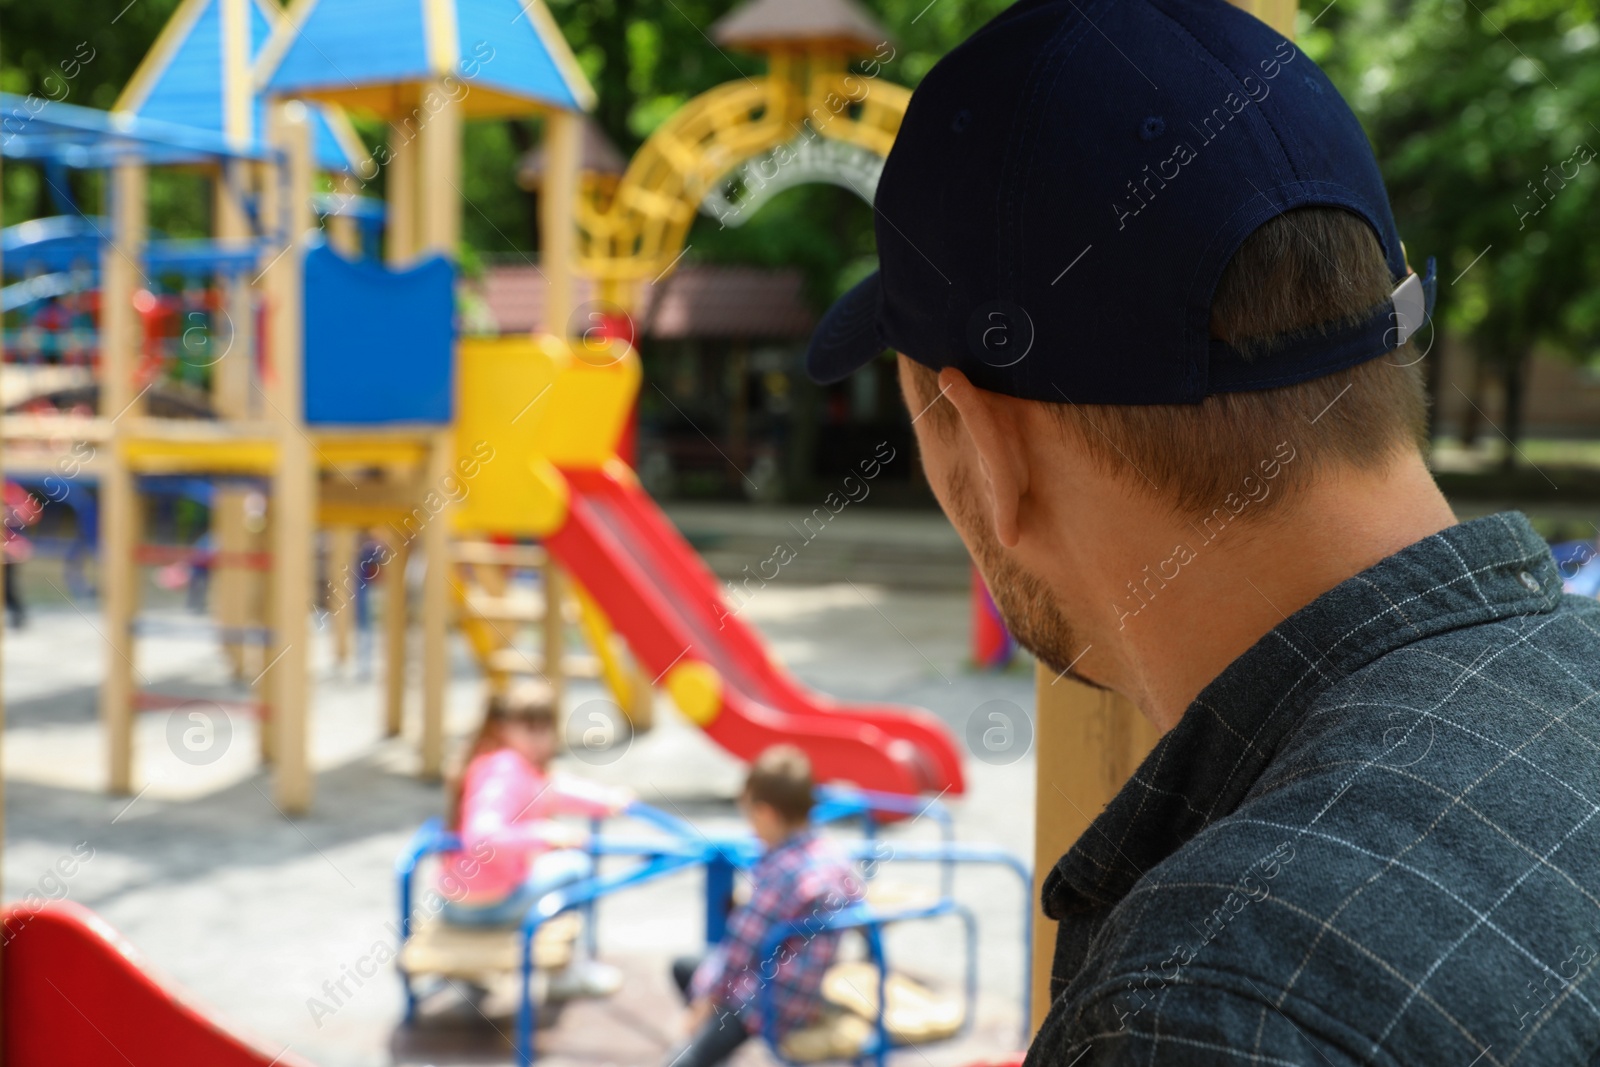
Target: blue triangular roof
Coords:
[(181, 80), (504, 50)]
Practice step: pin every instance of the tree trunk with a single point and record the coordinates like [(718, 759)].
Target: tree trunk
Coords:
[(1472, 414), (1514, 371), (44, 204), (522, 140)]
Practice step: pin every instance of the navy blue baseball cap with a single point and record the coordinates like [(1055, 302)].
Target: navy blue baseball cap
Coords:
[(1068, 186)]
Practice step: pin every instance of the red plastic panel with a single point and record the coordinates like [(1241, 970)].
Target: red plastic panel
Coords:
[(77, 995), (670, 608)]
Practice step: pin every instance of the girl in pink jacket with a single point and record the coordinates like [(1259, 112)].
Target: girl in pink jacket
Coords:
[(506, 800)]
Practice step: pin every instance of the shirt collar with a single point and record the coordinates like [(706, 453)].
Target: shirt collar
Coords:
[(1477, 572)]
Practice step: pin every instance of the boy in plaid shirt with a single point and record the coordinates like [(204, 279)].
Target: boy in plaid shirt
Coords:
[(801, 877)]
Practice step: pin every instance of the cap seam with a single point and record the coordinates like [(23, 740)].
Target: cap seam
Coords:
[(1024, 140), (1277, 135)]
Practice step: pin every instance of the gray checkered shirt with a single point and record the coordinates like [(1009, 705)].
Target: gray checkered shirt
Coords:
[(1371, 839)]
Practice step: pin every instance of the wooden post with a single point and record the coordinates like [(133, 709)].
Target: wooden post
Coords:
[(2, 744), (1279, 14), (439, 226), (402, 185), (120, 274), (641, 708), (555, 630), (343, 544), (436, 603), (394, 633), (438, 177), (232, 376), (343, 233), (294, 476), (558, 193), (1089, 742)]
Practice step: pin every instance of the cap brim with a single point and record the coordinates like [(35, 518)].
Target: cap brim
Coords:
[(847, 337)]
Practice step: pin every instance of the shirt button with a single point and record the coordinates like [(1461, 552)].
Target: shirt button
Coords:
[(1530, 582)]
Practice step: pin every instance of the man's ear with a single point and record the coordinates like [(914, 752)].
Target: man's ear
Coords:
[(992, 425)]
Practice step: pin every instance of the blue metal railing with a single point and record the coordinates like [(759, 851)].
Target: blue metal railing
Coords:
[(871, 921), (687, 846)]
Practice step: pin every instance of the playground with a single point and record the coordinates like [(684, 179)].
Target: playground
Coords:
[(304, 522), (253, 914), (295, 525)]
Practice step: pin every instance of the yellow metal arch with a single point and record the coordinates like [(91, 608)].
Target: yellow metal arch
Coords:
[(635, 229)]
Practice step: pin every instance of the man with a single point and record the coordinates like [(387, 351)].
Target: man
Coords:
[(1155, 330)]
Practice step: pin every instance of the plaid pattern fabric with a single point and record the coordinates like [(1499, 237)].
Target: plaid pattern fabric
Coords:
[(803, 878), (1371, 839)]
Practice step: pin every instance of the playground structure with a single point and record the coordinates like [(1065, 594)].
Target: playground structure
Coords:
[(872, 1009), (361, 410), (263, 440)]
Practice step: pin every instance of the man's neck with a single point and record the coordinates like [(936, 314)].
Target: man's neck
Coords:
[(1239, 580)]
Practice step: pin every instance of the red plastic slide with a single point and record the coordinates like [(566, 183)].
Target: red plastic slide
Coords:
[(77, 995), (661, 597)]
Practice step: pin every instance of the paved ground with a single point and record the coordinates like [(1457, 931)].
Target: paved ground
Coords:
[(254, 912)]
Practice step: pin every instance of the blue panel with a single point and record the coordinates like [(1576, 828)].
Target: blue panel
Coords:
[(189, 91), (329, 153), (326, 149), (260, 29), (344, 44), (379, 344), (520, 63)]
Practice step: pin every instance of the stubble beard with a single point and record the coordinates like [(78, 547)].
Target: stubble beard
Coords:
[(1031, 612)]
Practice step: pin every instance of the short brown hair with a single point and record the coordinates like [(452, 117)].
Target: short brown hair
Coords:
[(1310, 268), (781, 777)]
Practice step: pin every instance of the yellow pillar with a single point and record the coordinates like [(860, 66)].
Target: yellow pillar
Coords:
[(1089, 741), (294, 489), (558, 193), (119, 346), (1279, 14)]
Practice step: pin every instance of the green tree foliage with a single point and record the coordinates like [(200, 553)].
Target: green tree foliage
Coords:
[(1485, 117), (647, 58)]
